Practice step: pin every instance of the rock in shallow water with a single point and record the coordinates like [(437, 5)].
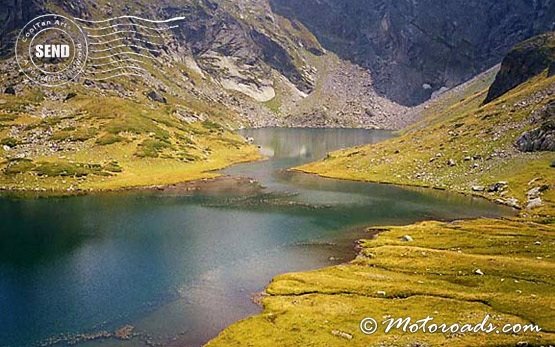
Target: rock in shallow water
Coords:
[(124, 333)]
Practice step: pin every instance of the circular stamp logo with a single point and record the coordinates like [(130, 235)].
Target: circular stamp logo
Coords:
[(51, 50)]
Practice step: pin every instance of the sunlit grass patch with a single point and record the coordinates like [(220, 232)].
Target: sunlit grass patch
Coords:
[(109, 139), (18, 166), (442, 273), (151, 148)]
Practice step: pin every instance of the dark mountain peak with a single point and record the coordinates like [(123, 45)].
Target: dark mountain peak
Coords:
[(524, 61), (414, 48)]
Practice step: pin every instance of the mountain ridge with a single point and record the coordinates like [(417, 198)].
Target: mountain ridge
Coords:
[(246, 55), (415, 48)]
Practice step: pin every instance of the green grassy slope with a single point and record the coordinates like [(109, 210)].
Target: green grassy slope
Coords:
[(102, 142), (459, 147)]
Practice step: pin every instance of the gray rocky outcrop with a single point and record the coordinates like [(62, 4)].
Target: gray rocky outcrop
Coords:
[(524, 61), (542, 137)]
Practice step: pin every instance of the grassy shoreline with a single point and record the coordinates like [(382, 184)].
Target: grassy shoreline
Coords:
[(145, 149), (175, 177), (408, 185), (464, 147), (448, 271), (456, 272), (95, 142)]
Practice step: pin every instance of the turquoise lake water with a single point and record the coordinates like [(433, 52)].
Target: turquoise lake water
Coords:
[(181, 267)]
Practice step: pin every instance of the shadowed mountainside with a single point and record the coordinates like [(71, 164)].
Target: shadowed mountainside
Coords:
[(415, 48), (524, 61)]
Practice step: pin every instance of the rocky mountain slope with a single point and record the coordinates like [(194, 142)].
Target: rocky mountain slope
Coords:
[(415, 48), (524, 61), (258, 66)]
